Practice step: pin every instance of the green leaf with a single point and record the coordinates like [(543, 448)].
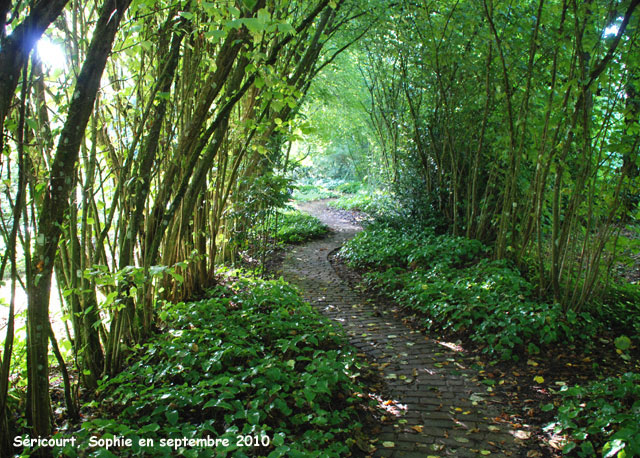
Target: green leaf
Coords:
[(249, 4), (611, 448), (172, 417), (215, 35), (150, 428), (278, 440), (286, 28), (570, 446), (253, 417), (622, 343), (254, 25)]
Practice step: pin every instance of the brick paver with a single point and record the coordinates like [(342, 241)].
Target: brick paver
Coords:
[(438, 409)]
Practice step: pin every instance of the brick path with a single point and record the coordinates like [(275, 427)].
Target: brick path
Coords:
[(437, 409)]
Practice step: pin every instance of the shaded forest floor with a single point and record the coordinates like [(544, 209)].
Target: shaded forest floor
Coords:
[(432, 395), (483, 397), (430, 402)]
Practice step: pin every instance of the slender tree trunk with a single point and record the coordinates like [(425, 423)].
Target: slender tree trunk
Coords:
[(56, 202)]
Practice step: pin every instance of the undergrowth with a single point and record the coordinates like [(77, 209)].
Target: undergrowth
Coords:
[(296, 227), (602, 417), (374, 203), (455, 288), (252, 360), (309, 192)]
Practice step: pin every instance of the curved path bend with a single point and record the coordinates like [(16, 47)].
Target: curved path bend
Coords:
[(435, 407)]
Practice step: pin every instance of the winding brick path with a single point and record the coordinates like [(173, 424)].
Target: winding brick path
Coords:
[(437, 409)]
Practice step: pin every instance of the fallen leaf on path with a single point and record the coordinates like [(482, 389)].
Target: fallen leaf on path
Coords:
[(522, 434)]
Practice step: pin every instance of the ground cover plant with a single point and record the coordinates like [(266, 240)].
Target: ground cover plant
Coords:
[(309, 189), (456, 290), (309, 192), (371, 201), (601, 417), (450, 282), (252, 360), (293, 226)]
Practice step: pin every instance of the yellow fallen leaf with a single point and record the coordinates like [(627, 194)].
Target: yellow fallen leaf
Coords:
[(417, 428), (538, 379), (388, 444)]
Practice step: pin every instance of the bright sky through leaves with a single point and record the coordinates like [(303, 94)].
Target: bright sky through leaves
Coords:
[(51, 54)]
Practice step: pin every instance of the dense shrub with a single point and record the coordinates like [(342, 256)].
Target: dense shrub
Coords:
[(375, 203), (387, 245), (350, 187), (602, 417), (309, 192), (295, 227), (456, 290), (252, 360)]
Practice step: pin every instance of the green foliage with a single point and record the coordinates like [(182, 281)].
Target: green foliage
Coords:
[(359, 201), (386, 245), (458, 291), (475, 134), (602, 417), (350, 187), (341, 144), (296, 227), (309, 192), (620, 307), (250, 360), (375, 203)]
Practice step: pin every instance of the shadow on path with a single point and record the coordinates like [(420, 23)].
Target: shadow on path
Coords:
[(435, 409)]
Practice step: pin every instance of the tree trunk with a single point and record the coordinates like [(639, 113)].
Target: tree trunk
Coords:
[(56, 201)]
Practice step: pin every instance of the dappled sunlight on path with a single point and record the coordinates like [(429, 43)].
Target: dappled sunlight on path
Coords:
[(432, 406)]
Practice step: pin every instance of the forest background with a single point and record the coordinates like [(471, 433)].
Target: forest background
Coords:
[(152, 142)]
